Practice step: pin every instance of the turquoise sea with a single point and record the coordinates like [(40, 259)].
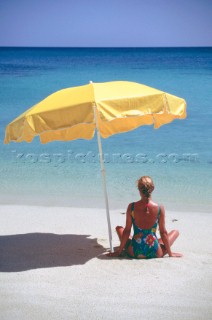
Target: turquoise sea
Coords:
[(177, 156)]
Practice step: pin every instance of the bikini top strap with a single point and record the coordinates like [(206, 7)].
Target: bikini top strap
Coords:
[(158, 215), (132, 209)]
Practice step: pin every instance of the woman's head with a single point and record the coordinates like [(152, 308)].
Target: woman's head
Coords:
[(145, 186)]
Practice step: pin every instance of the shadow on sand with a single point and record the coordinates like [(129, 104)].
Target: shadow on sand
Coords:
[(23, 252)]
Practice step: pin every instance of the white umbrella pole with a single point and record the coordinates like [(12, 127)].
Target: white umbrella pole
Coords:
[(103, 178)]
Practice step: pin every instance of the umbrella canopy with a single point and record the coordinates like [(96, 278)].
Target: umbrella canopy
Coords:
[(68, 114), (109, 108)]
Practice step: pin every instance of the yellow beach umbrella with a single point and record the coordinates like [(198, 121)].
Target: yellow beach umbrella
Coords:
[(109, 108)]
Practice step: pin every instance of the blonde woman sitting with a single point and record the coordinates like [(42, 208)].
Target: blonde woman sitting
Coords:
[(145, 215)]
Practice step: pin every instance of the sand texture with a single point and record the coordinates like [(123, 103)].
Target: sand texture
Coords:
[(53, 266)]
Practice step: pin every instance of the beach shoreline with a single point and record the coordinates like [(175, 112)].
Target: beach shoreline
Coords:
[(53, 264), (43, 200)]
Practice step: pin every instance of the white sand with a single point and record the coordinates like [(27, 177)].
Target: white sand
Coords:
[(52, 266)]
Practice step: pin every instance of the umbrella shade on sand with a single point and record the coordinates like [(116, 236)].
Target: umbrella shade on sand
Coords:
[(108, 108)]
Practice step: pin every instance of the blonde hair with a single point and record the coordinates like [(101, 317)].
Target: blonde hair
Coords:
[(146, 187)]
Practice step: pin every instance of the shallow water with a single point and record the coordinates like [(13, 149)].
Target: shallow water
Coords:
[(177, 156)]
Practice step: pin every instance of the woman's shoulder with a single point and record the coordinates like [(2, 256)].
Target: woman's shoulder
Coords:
[(130, 206), (134, 204), (155, 204), (161, 206)]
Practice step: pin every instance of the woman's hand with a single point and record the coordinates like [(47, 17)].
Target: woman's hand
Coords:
[(176, 255)]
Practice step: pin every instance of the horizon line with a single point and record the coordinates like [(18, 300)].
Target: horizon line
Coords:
[(106, 47)]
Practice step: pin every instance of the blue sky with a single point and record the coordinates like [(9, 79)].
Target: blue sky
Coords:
[(106, 23)]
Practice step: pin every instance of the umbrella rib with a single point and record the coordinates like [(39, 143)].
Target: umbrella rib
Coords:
[(167, 107)]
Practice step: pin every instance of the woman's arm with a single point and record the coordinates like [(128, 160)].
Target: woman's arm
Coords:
[(163, 231), (126, 233)]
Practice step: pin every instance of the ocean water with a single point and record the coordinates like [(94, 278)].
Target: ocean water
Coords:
[(177, 156)]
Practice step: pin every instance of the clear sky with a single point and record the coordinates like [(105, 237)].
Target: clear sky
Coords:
[(105, 23)]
